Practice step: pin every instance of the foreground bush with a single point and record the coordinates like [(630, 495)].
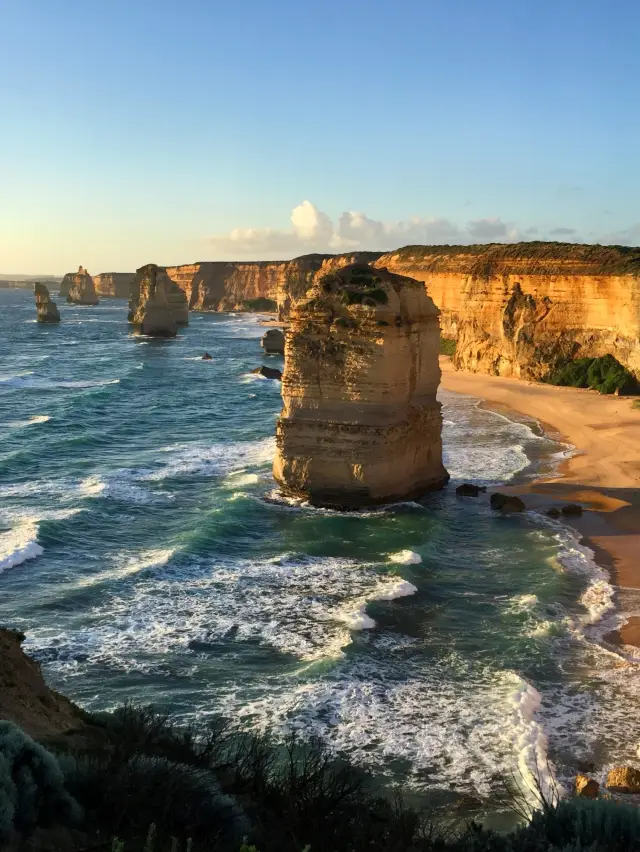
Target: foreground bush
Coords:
[(32, 790), (605, 374), (447, 346)]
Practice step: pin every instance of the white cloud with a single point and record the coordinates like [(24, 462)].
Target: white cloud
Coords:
[(313, 231)]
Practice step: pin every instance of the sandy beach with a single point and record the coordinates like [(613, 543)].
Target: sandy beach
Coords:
[(603, 476)]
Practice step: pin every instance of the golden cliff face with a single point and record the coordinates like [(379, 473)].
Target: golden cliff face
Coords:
[(519, 310), (360, 423), (116, 285)]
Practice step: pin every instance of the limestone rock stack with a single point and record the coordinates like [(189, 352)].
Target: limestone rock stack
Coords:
[(151, 309), (157, 302), (81, 289), (360, 423), (46, 307)]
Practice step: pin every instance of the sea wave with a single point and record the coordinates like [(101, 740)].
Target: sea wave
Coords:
[(32, 421), (18, 545)]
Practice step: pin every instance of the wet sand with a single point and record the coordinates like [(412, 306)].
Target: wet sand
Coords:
[(603, 476)]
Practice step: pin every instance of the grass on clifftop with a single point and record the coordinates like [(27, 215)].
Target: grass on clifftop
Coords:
[(606, 375)]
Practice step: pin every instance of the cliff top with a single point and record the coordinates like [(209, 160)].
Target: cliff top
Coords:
[(542, 258)]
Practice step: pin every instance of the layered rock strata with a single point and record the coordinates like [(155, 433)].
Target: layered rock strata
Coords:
[(150, 309), (115, 285), (79, 288), (45, 306), (150, 290), (360, 422), (524, 309)]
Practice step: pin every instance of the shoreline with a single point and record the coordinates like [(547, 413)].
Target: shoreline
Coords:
[(602, 474)]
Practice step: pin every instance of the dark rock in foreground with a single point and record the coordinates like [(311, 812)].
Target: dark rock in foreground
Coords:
[(46, 307), (506, 503), (268, 373), (467, 489), (273, 342)]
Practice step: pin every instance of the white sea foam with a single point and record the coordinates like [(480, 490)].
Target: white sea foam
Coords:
[(32, 421), (23, 381), (405, 557), (210, 459), (120, 487), (19, 545)]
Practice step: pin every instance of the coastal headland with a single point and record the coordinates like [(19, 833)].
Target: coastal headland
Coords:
[(603, 474)]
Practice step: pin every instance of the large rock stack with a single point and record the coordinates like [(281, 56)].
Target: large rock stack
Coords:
[(79, 288), (361, 424), (114, 284), (46, 307), (157, 306)]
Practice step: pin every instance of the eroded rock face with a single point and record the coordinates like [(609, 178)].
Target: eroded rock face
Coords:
[(150, 309), (79, 288), (47, 309), (114, 284), (523, 309), (360, 423), (156, 301)]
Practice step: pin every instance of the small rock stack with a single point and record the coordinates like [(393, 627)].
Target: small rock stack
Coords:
[(46, 307)]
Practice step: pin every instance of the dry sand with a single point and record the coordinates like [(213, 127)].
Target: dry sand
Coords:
[(604, 475)]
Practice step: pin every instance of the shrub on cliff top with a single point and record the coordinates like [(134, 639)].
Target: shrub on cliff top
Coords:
[(605, 374), (260, 304), (447, 346), (32, 791)]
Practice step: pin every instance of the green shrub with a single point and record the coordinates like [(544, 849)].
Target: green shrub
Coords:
[(635, 403), (447, 346), (32, 789), (605, 374), (260, 304)]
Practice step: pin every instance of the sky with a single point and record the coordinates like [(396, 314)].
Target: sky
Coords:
[(174, 131)]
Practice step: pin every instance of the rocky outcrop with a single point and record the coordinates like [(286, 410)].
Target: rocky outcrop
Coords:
[(150, 309), (115, 285), (273, 342), (25, 699), (524, 309), (45, 306), (507, 504), (587, 788), (624, 779), (79, 288), (360, 423), (150, 291), (268, 373)]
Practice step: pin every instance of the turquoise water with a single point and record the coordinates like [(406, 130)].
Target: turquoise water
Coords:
[(148, 556)]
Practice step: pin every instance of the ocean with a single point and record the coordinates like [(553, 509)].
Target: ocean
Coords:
[(145, 551)]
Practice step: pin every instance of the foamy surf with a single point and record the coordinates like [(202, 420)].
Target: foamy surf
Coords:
[(19, 545), (405, 557), (32, 421)]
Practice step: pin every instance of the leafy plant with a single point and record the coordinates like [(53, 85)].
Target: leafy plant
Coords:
[(32, 791), (605, 374), (260, 304), (447, 346)]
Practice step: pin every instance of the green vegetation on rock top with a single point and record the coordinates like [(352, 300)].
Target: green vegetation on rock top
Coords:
[(260, 304), (447, 346)]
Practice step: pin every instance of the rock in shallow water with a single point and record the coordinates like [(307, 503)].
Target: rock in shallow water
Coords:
[(361, 424), (273, 342), (586, 788), (467, 489), (268, 373), (507, 503), (624, 779)]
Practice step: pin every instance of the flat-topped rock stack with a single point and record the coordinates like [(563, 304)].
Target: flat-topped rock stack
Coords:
[(157, 306), (360, 423), (79, 288), (45, 306)]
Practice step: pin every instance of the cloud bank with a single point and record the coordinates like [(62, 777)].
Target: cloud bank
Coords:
[(312, 230)]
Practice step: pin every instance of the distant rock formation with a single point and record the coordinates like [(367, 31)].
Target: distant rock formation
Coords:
[(47, 309), (115, 285), (79, 288), (155, 296), (273, 342), (361, 424), (268, 373)]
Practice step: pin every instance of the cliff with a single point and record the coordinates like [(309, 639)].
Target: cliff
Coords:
[(523, 309), (222, 286), (115, 285), (157, 306), (25, 698), (360, 423), (46, 308), (79, 288)]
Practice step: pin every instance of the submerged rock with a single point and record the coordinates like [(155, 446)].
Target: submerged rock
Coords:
[(149, 309), (360, 423), (572, 509), (273, 342), (624, 779), (586, 788), (207, 357), (268, 373), (81, 289), (46, 307), (553, 512), (467, 489), (507, 503)]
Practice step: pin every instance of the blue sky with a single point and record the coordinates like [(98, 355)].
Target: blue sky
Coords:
[(173, 131)]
